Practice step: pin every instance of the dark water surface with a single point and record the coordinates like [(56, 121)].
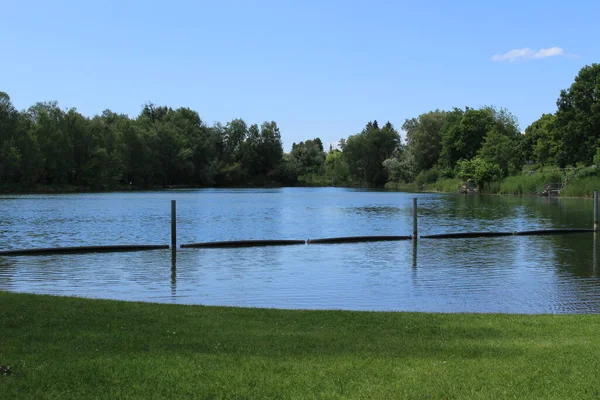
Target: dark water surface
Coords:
[(541, 274)]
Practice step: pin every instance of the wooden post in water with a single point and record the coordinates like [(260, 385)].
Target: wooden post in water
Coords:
[(415, 230), (173, 227), (595, 211)]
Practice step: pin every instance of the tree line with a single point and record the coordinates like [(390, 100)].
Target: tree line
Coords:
[(163, 147), (46, 145), (486, 145)]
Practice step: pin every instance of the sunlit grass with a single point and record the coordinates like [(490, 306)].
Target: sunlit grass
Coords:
[(529, 184), (77, 348), (449, 185), (403, 187), (582, 187)]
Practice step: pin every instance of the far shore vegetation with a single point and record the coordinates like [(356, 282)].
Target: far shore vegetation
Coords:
[(48, 149), (73, 348)]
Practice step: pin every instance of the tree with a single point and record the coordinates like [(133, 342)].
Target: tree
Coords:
[(480, 170), (198, 152), (83, 144), (541, 143), (48, 145), (234, 134), (271, 147), (366, 152), (578, 118), (262, 151), (309, 156), (135, 154), (47, 125), (336, 168), (424, 138), (501, 149), (104, 164), (401, 167), (10, 154), (8, 118), (464, 133), (153, 113), (10, 161)]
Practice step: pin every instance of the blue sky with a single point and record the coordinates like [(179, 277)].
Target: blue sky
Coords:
[(318, 68)]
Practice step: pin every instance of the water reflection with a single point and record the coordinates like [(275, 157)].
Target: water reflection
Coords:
[(173, 274), (379, 211), (7, 271), (542, 274), (595, 255), (415, 248)]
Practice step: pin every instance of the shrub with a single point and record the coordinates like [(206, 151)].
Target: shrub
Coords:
[(427, 176)]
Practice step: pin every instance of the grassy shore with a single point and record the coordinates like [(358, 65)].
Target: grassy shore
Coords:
[(580, 182), (450, 185), (77, 348)]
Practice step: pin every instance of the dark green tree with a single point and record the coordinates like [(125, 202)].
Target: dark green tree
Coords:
[(541, 143), (309, 156), (234, 134), (47, 125), (578, 118), (365, 152), (336, 168), (11, 158), (502, 143), (424, 138), (463, 134)]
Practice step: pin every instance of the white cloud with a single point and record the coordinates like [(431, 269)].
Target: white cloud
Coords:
[(528, 54)]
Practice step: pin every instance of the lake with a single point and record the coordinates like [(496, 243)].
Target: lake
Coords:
[(534, 274)]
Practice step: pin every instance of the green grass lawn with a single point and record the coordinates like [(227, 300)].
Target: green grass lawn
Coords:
[(76, 348)]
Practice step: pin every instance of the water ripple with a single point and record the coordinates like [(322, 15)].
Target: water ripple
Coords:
[(554, 274)]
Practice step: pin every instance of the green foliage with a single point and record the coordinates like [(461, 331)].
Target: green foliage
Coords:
[(541, 143), (313, 179), (428, 176), (578, 118), (261, 152), (233, 136), (365, 152), (393, 168), (403, 187), (336, 168), (531, 182), (465, 170), (581, 186), (447, 185), (479, 170), (499, 149), (597, 158), (11, 157), (46, 145), (424, 139), (309, 156), (465, 133), (55, 145), (400, 168)]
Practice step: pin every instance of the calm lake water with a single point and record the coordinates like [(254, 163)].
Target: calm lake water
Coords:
[(541, 274)]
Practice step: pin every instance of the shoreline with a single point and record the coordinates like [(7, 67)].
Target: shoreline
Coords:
[(67, 189)]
